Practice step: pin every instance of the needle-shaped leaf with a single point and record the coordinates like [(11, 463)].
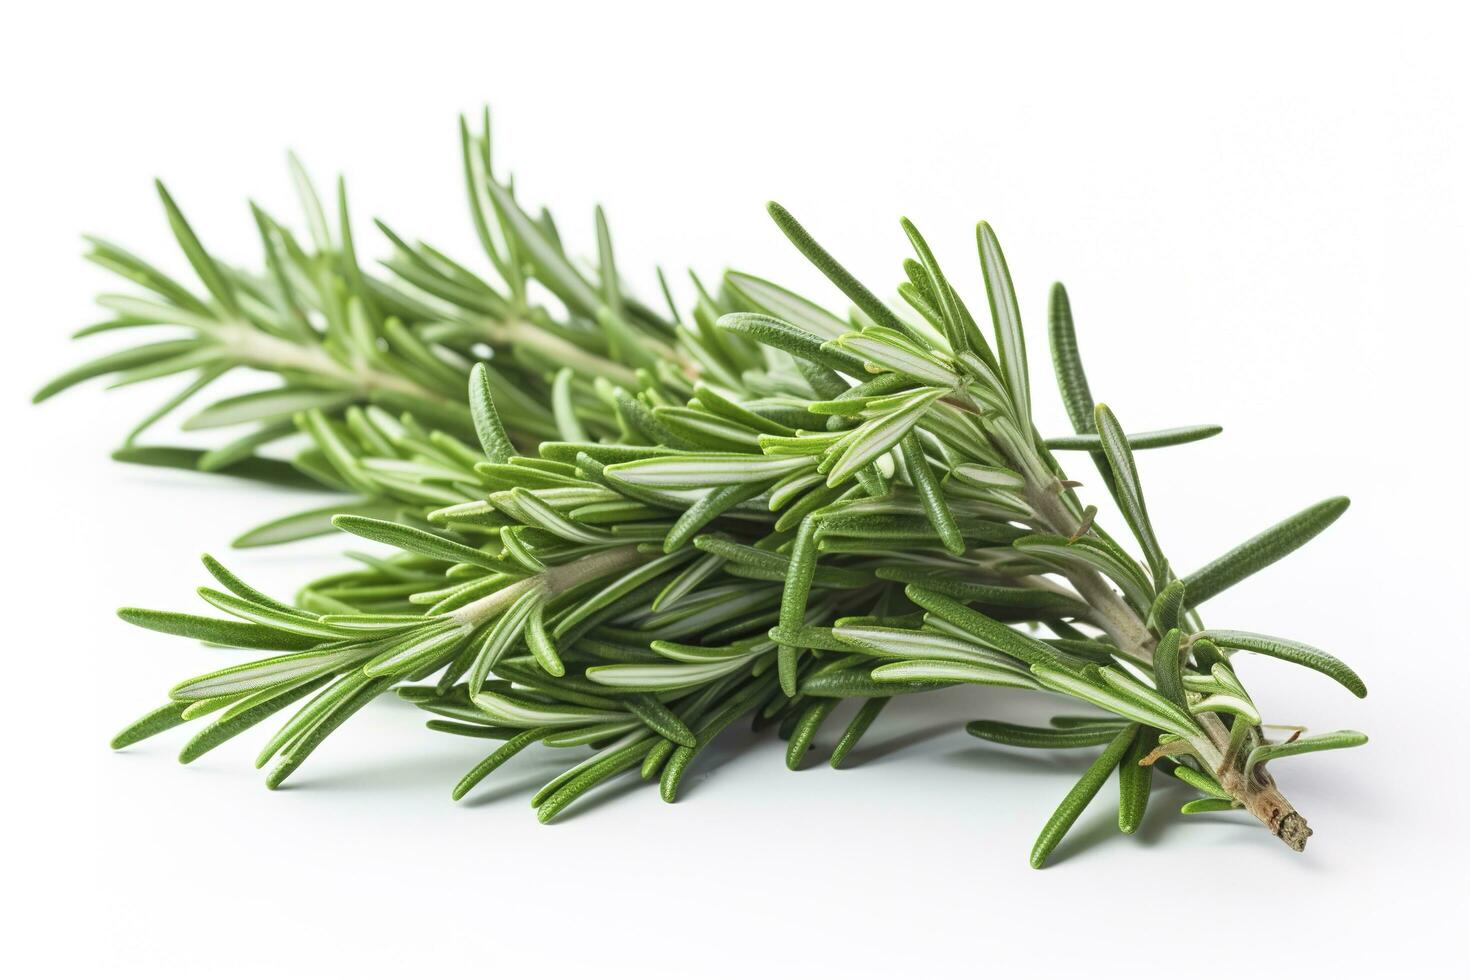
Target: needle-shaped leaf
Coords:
[(772, 332), (861, 297), (204, 266), (502, 636), (941, 291), (780, 302), (951, 672), (1290, 651), (877, 436), (927, 487), (984, 629), (265, 406), (658, 717), (1028, 737), (1005, 313), (117, 361), (1266, 548), (557, 274), (1130, 493), (507, 751), (856, 729), (1080, 795), (1135, 781), (1067, 360), (226, 632), (247, 713), (312, 523), (1208, 805), (807, 724), (488, 427), (1096, 553), (1168, 608), (1167, 668), (798, 585), (418, 541), (158, 720), (1309, 743), (1108, 699), (893, 352), (696, 471), (1156, 439)]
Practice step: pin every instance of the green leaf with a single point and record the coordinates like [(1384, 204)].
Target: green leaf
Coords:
[(418, 541), (496, 443), (617, 758), (980, 626), (1027, 737), (122, 360), (1205, 784), (894, 352), (204, 266), (701, 471), (794, 595), (942, 292), (260, 674), (245, 714), (1168, 668), (1067, 360), (771, 332), (662, 677), (419, 650), (256, 468), (1095, 553), (158, 720), (950, 672), (1311, 743), (557, 274), (268, 405), (1080, 795), (518, 712), (1266, 548), (502, 636), (927, 487), (1168, 608), (658, 717), (1290, 651), (1106, 697), (311, 523), (833, 270), (1156, 439), (225, 632), (1130, 493), (1135, 781), (496, 759), (877, 436), (767, 297), (856, 729), (306, 741), (1006, 315), (807, 725)]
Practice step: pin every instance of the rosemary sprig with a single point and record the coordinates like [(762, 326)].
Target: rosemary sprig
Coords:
[(663, 526)]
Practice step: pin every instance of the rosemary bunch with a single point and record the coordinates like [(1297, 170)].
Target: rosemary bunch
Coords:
[(660, 527)]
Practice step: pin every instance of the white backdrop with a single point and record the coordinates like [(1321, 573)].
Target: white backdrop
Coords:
[(1261, 215)]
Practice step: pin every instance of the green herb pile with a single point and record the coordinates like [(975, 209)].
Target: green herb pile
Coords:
[(628, 528)]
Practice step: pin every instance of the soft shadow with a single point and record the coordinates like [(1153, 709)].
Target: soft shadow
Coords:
[(1032, 761), (439, 773), (868, 753)]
